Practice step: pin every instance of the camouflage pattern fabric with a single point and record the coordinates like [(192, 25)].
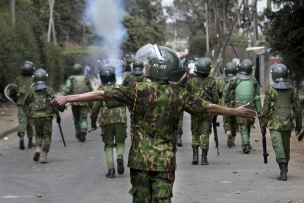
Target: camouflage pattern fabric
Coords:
[(37, 104), (281, 144), (151, 186), (229, 122), (43, 137), (80, 114), (206, 88), (22, 84), (131, 79), (180, 124), (107, 116), (77, 84), (113, 135), (279, 121), (157, 109), (25, 123)]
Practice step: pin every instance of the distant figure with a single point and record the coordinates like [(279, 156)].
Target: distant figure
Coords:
[(87, 71)]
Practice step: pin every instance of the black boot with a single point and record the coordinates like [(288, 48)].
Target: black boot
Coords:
[(111, 173), (195, 155), (179, 140), (30, 143), (246, 149), (283, 173), (21, 144), (120, 165), (204, 160), (83, 136)]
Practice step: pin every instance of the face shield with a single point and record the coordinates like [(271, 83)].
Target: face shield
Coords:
[(149, 52)]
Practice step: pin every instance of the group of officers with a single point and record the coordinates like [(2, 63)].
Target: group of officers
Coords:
[(156, 99)]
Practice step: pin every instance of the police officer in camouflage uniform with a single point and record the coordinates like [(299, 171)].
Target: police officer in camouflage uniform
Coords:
[(112, 122), (136, 76), (246, 90), (156, 107), (205, 87), (23, 84), (230, 124), (77, 84), (42, 113), (281, 106)]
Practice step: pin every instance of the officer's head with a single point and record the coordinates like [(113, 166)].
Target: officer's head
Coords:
[(203, 66), (27, 68), (245, 67), (279, 72), (230, 71), (107, 75), (40, 78), (160, 62), (77, 69)]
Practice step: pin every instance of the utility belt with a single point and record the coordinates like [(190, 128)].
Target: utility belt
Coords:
[(242, 102)]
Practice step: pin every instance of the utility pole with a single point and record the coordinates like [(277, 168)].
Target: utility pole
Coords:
[(51, 23), (224, 18), (207, 27), (13, 11), (256, 34)]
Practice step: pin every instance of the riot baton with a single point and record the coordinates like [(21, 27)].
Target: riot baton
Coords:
[(61, 134)]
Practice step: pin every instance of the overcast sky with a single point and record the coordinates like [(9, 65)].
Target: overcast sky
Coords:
[(167, 2)]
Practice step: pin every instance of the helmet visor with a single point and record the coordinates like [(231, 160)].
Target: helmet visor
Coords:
[(148, 52)]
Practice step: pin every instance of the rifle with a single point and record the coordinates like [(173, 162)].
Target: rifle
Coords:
[(61, 134), (60, 108), (265, 154), (214, 125)]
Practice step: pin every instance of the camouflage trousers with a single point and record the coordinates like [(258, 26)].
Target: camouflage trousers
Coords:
[(43, 136), (114, 135), (201, 130), (151, 186), (180, 124), (230, 124), (80, 114), (245, 127), (25, 123), (281, 144)]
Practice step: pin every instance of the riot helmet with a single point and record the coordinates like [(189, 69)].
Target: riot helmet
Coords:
[(244, 70), (27, 68), (230, 71), (107, 75), (40, 77), (236, 61), (77, 69), (203, 66), (279, 73), (138, 68), (161, 62)]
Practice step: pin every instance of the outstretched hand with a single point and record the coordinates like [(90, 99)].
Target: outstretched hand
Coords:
[(58, 101), (243, 112)]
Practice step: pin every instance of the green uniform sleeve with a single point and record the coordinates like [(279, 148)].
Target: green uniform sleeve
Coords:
[(266, 109), (125, 82), (120, 96), (68, 86), (215, 96), (296, 108), (227, 91), (194, 105)]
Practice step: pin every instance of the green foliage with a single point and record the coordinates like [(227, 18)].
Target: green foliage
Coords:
[(197, 45), (286, 36)]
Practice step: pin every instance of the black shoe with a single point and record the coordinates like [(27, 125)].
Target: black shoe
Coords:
[(83, 136), (246, 149), (120, 165), (37, 154), (283, 173), (179, 140), (204, 160), (21, 144), (195, 155), (111, 173), (30, 143)]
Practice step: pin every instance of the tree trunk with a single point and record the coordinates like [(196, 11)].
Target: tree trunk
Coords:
[(13, 11)]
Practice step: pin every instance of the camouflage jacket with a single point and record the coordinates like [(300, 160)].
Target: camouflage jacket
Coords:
[(22, 85), (132, 79), (229, 91), (85, 86), (37, 104), (107, 116), (205, 88), (155, 108), (280, 122), (221, 86)]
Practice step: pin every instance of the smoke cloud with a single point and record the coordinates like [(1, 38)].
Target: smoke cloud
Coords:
[(106, 16)]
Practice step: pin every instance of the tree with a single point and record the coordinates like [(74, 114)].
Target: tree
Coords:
[(286, 34)]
